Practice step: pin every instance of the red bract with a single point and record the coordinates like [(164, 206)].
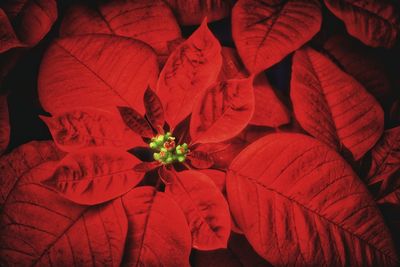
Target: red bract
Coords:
[(332, 106), (261, 26), (374, 22), (23, 23), (149, 21), (292, 188), (173, 148)]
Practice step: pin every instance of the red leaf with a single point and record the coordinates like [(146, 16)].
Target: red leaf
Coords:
[(232, 67), (299, 203), (269, 111), (4, 124), (96, 71), (158, 234), (154, 110), (385, 166), (189, 70), (374, 22), (223, 153), (360, 62), (136, 122), (8, 38), (146, 166), (265, 32), (385, 156), (79, 128), (239, 253), (332, 106), (32, 19), (222, 111), (205, 208), (94, 175), (39, 228), (149, 21), (200, 159), (21, 160), (191, 12), (217, 176)]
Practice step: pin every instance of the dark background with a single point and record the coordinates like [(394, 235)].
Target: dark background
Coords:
[(21, 83)]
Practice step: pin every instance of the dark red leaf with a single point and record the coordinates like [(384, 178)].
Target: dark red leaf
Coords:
[(149, 21), (154, 110), (374, 22), (332, 106), (385, 166), (269, 110), (200, 159), (265, 32), (136, 122), (4, 124), (53, 230), (32, 19), (204, 206), (8, 38), (192, 12), (79, 128), (299, 203), (385, 156), (23, 159), (222, 111), (94, 175), (360, 62), (158, 234), (146, 166), (96, 71), (189, 70), (239, 253)]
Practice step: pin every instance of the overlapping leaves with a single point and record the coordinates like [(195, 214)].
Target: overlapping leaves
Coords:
[(121, 74)]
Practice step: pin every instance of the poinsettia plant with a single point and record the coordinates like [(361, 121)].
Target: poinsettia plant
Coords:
[(167, 148)]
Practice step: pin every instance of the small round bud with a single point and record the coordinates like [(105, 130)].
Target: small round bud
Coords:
[(169, 160), (156, 156), (160, 139), (181, 158), (153, 145)]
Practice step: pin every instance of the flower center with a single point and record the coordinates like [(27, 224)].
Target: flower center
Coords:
[(166, 150)]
